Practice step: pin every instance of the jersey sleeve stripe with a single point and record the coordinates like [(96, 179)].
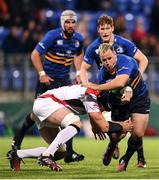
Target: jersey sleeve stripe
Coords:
[(135, 81)]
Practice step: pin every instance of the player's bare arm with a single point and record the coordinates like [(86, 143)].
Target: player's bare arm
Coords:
[(101, 126), (77, 62), (36, 60), (117, 83), (142, 61), (84, 72)]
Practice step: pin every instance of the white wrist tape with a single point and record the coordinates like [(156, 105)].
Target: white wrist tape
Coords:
[(42, 73), (77, 73)]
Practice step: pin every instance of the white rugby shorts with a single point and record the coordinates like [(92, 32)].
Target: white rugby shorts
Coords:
[(44, 107)]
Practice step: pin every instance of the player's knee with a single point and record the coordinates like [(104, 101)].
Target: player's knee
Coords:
[(71, 119), (138, 134)]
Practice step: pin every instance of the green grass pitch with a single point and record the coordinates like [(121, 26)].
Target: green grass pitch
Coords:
[(90, 168)]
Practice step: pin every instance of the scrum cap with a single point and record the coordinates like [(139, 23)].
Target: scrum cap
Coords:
[(66, 15)]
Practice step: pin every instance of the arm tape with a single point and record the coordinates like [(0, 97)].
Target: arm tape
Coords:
[(77, 73), (114, 127), (42, 73)]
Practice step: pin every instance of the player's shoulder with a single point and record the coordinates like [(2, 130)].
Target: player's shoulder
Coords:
[(120, 39), (95, 44), (54, 32), (78, 36), (124, 59)]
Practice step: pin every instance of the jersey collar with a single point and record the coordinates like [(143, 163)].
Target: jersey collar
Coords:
[(63, 34)]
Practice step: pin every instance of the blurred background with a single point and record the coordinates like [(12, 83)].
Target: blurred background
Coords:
[(24, 22)]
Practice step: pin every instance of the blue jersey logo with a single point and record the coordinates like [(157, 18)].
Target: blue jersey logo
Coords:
[(77, 44), (119, 49), (60, 42)]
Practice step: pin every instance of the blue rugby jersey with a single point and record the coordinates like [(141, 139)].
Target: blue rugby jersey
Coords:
[(125, 65), (121, 46), (59, 52)]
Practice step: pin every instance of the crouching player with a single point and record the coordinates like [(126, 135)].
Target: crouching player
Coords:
[(53, 107)]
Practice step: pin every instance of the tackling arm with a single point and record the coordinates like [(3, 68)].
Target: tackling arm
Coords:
[(119, 82), (101, 126)]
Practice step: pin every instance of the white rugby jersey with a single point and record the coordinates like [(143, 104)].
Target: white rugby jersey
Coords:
[(75, 92)]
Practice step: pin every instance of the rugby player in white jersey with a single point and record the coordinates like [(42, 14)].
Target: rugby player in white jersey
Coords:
[(54, 107)]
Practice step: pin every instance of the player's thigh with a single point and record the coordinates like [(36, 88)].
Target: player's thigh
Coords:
[(140, 122), (57, 116), (49, 133)]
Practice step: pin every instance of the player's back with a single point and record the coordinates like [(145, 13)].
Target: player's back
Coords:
[(68, 92)]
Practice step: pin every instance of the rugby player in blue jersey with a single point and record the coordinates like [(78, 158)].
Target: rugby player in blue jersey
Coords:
[(117, 72), (61, 48), (105, 28)]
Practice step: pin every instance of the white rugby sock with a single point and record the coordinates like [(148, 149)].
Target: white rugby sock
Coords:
[(35, 152), (62, 137)]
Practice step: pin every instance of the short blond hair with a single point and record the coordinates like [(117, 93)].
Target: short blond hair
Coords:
[(105, 47)]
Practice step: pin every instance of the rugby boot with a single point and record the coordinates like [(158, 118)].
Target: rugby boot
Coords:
[(108, 154), (14, 160), (73, 156), (141, 163), (49, 162)]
